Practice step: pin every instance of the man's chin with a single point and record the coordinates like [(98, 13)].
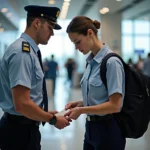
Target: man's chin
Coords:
[(44, 43), (85, 52)]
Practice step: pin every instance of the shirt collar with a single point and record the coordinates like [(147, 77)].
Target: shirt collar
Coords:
[(99, 56), (30, 41)]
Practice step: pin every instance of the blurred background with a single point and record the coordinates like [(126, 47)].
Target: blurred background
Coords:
[(125, 28)]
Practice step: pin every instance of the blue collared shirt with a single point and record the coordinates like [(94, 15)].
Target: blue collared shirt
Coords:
[(93, 89), (20, 68)]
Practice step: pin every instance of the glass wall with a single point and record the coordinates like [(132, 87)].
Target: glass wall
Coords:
[(6, 38), (136, 38)]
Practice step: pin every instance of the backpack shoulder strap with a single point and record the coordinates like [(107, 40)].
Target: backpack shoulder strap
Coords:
[(103, 68)]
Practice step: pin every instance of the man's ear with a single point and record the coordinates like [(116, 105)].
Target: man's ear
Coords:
[(37, 22), (89, 32)]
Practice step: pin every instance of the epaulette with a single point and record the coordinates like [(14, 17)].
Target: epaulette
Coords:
[(25, 47)]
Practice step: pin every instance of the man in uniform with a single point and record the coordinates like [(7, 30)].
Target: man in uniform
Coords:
[(52, 72), (22, 84)]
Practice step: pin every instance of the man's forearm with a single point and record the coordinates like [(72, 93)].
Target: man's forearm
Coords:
[(34, 112)]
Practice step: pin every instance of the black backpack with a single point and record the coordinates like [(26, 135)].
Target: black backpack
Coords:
[(134, 117)]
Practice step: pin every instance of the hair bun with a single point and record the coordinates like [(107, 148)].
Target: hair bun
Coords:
[(97, 24)]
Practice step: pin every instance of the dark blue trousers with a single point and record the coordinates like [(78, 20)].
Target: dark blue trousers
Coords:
[(16, 136), (103, 135)]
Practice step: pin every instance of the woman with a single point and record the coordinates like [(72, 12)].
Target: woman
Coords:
[(102, 131)]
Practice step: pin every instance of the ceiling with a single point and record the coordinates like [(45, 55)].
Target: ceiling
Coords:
[(77, 7)]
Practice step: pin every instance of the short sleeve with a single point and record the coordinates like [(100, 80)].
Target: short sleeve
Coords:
[(115, 76), (20, 69)]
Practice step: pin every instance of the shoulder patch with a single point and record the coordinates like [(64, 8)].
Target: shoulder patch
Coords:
[(25, 47)]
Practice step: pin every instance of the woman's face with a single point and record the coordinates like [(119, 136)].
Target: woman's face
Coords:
[(82, 43)]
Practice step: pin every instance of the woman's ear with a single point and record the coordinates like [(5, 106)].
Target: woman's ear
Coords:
[(89, 32)]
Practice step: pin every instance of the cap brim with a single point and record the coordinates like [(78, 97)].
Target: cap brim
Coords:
[(57, 27)]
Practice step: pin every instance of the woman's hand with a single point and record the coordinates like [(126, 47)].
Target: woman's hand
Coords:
[(74, 104), (74, 113)]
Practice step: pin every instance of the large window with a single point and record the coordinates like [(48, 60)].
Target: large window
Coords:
[(135, 38), (141, 27), (127, 27)]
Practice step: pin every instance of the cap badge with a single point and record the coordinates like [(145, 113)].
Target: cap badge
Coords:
[(57, 14)]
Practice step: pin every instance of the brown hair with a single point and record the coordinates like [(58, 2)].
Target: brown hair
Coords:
[(31, 19), (81, 24)]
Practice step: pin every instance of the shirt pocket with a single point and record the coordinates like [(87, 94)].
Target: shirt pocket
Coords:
[(39, 75), (38, 71), (95, 82), (96, 87)]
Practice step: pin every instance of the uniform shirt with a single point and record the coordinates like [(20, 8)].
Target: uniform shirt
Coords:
[(93, 89), (20, 68)]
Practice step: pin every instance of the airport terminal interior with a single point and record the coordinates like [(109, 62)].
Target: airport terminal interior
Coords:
[(125, 28)]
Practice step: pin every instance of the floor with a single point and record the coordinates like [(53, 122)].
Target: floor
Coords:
[(71, 138)]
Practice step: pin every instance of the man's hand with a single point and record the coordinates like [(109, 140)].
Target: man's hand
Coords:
[(74, 104), (62, 122)]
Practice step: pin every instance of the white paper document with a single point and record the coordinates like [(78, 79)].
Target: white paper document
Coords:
[(61, 113)]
